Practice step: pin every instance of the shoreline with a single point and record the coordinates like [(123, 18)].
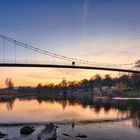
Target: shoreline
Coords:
[(63, 122)]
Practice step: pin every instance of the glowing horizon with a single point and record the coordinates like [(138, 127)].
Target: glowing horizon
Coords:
[(26, 76)]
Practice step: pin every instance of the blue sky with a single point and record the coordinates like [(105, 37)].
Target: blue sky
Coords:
[(65, 26), (95, 30)]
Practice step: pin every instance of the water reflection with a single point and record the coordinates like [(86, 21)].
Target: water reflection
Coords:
[(43, 110), (8, 104)]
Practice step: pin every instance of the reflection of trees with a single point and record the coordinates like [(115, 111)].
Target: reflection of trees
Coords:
[(129, 107), (135, 115), (9, 103), (97, 107), (107, 107), (64, 104), (89, 102)]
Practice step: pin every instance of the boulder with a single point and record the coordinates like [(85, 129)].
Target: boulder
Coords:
[(66, 135), (49, 133), (27, 130), (2, 135), (81, 136)]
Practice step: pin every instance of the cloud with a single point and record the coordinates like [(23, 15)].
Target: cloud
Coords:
[(54, 75), (134, 47), (85, 16), (69, 71), (43, 74), (36, 76), (130, 51)]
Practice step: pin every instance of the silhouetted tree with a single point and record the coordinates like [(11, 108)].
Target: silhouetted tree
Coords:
[(97, 81), (124, 79), (135, 79), (39, 88), (9, 83), (72, 85), (63, 83), (85, 84), (108, 80), (137, 64)]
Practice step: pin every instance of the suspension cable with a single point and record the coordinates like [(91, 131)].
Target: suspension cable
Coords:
[(57, 56)]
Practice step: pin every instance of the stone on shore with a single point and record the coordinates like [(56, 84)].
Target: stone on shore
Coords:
[(2, 135), (49, 133), (27, 130), (66, 135), (81, 136)]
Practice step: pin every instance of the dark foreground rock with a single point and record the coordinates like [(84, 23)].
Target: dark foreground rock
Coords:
[(81, 136), (2, 135), (66, 135), (27, 130), (109, 139), (49, 133)]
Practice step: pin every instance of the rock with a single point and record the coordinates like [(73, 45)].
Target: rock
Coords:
[(49, 133), (73, 124), (50, 126), (27, 130), (2, 135), (52, 139), (109, 139), (66, 135), (81, 136)]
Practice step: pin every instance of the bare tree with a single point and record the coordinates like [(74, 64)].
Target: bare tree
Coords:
[(9, 83), (137, 64)]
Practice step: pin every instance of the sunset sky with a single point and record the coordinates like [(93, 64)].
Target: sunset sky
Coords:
[(105, 31)]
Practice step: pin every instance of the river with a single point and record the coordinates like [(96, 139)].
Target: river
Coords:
[(101, 120)]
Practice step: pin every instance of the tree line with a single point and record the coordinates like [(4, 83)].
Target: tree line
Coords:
[(128, 81)]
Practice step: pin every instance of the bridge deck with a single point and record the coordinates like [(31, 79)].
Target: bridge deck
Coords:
[(67, 66)]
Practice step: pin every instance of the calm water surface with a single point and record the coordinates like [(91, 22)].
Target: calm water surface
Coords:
[(46, 111)]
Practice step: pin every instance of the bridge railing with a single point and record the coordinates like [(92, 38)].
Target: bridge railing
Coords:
[(65, 63)]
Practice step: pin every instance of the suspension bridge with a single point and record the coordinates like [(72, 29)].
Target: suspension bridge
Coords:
[(14, 53)]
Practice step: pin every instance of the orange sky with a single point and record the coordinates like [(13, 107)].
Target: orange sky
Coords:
[(33, 76)]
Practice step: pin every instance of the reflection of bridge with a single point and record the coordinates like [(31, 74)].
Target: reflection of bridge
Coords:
[(17, 54)]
